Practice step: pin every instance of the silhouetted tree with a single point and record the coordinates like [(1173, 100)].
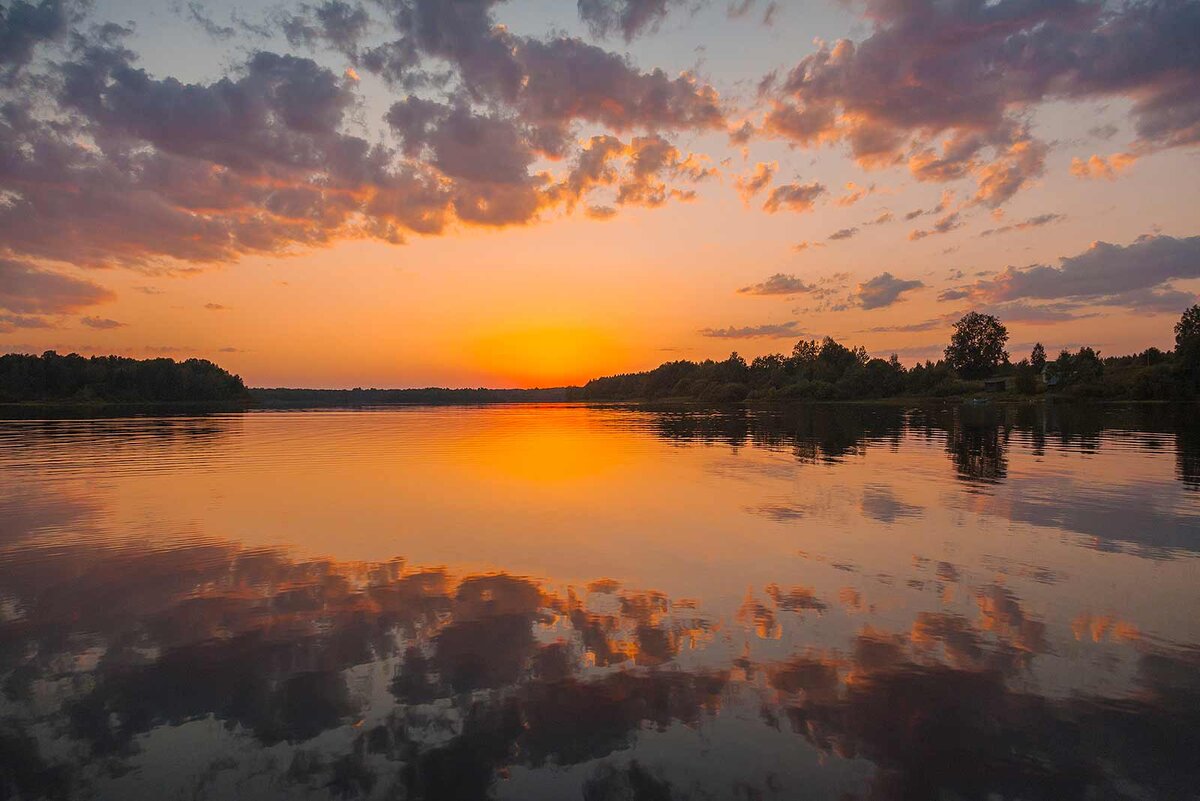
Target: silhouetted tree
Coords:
[(1037, 357), (828, 370), (1188, 326), (977, 345), (114, 379)]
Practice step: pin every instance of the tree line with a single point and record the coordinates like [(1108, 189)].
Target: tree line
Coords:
[(975, 359), (53, 378)]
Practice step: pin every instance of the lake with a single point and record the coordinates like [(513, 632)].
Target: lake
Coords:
[(589, 602)]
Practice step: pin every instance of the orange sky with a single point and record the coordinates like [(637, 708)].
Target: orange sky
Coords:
[(558, 296)]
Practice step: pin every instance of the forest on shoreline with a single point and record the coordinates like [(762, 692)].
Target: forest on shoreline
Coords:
[(975, 361), (74, 379)]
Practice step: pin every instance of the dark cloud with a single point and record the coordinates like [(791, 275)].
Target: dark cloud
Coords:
[(795, 196), (215, 307), (336, 23), (463, 144), (627, 17), (883, 290), (965, 71), (549, 82), (844, 233), (1134, 275), (1018, 311), (943, 225), (198, 172), (766, 331), (101, 323), (1032, 222), (24, 24), (12, 322), (26, 289), (261, 160), (198, 15), (778, 284)]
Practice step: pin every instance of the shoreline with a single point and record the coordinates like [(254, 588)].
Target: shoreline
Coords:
[(256, 405)]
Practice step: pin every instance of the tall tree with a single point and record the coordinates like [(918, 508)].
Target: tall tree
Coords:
[(1188, 326), (1037, 357), (977, 345)]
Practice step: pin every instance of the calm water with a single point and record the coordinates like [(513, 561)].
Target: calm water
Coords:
[(562, 602)]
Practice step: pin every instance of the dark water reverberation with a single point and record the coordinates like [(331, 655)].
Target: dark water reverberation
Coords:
[(587, 602)]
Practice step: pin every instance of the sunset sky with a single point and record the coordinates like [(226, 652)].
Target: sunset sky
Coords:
[(465, 192)]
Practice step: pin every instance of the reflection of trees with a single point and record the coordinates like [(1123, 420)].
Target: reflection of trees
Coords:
[(977, 438), (1187, 451), (133, 443), (814, 432), (978, 449)]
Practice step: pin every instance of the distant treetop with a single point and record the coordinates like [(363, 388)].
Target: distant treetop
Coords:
[(114, 379)]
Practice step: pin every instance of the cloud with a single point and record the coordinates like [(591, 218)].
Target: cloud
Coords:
[(24, 25), (778, 284), (942, 226), (883, 290), (1118, 275), (1101, 166), (741, 8), (215, 307), (645, 172), (946, 87), (207, 24), (1045, 314), (600, 212), (800, 247), (843, 233), (794, 196), (767, 331), (907, 328), (628, 17), (265, 158), (12, 322), (339, 24), (750, 185), (101, 323), (1032, 222), (26, 289), (854, 193)]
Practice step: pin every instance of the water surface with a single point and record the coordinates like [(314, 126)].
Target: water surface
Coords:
[(567, 601)]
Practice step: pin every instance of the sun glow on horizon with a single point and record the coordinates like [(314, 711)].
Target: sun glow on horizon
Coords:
[(546, 355)]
